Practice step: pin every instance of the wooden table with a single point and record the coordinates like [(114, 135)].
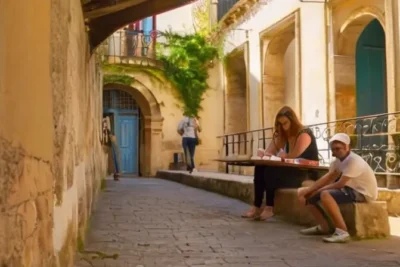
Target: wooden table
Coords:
[(262, 162)]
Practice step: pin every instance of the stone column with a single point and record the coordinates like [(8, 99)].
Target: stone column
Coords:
[(392, 30), (153, 145)]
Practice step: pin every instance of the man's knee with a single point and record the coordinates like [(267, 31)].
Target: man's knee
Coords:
[(325, 196), (300, 195)]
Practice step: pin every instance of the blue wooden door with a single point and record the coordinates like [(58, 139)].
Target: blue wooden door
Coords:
[(127, 134)]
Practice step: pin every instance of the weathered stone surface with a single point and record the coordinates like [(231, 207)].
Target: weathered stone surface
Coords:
[(289, 208), (392, 197), (366, 220), (25, 208)]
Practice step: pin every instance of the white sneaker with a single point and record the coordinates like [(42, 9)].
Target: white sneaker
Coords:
[(194, 170), (339, 236), (315, 230)]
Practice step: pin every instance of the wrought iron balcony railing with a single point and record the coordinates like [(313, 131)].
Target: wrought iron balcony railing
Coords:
[(376, 138), (224, 6), (130, 47)]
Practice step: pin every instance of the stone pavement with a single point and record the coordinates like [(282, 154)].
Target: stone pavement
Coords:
[(152, 222)]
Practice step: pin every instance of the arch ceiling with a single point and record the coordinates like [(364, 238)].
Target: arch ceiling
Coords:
[(103, 17)]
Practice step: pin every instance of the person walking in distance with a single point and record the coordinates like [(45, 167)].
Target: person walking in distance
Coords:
[(188, 128)]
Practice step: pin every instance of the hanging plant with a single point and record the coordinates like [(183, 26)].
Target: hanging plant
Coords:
[(186, 60)]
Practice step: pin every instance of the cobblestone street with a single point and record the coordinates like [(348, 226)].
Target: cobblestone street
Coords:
[(152, 222)]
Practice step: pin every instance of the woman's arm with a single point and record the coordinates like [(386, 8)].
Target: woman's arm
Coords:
[(275, 145), (302, 142)]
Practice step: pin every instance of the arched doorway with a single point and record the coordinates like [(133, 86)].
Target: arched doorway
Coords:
[(236, 115), (281, 69), (138, 103), (124, 114), (371, 93)]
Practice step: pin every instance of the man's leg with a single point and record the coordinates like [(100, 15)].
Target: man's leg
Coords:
[(311, 203), (330, 200), (331, 206)]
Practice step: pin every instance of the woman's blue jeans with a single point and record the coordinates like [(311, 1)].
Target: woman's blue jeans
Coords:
[(189, 146)]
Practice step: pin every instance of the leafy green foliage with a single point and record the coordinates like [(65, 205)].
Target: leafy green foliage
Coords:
[(186, 60)]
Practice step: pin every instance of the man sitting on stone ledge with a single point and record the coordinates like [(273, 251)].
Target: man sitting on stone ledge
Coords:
[(356, 183)]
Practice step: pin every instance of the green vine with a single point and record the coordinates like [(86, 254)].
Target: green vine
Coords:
[(186, 60), (117, 78)]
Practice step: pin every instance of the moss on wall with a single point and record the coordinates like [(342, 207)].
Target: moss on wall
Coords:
[(117, 78), (127, 69)]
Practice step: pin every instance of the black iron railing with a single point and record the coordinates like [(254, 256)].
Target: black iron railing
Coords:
[(224, 6), (376, 138), (130, 46)]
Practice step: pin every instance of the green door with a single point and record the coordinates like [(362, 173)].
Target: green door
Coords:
[(371, 95), (371, 71)]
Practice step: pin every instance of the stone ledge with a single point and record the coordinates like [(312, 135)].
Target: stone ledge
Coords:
[(227, 185), (366, 220)]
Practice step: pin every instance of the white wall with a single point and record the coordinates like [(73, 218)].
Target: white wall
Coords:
[(313, 51), (180, 20)]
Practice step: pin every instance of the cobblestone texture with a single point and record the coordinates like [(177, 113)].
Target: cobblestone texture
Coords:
[(151, 222)]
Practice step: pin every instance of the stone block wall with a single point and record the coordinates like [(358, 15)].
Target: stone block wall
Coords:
[(79, 160), (51, 158)]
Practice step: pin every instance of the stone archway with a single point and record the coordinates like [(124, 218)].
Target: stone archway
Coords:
[(347, 43), (150, 126), (281, 68), (236, 96)]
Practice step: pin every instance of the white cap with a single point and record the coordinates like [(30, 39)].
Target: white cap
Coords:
[(341, 137)]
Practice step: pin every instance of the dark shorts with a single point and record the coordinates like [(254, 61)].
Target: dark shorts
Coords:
[(341, 196)]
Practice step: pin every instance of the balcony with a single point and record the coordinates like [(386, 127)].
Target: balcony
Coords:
[(130, 47), (224, 6)]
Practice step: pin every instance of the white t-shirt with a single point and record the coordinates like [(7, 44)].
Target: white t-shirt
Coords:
[(362, 177), (187, 124)]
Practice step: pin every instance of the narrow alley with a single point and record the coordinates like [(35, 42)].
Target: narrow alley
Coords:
[(153, 222)]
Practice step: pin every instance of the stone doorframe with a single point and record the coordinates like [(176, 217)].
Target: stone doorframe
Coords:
[(149, 154), (274, 42), (242, 50), (360, 17)]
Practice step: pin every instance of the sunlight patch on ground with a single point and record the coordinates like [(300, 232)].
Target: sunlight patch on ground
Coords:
[(394, 226)]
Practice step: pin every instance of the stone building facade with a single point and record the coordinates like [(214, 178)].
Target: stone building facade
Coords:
[(329, 60)]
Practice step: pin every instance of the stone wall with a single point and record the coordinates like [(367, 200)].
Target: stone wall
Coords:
[(79, 162), (51, 159), (26, 197)]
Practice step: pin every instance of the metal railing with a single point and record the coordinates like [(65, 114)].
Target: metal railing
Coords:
[(224, 6), (376, 138), (130, 47)]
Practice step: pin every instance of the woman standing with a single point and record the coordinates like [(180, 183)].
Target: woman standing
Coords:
[(188, 128), (290, 140)]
